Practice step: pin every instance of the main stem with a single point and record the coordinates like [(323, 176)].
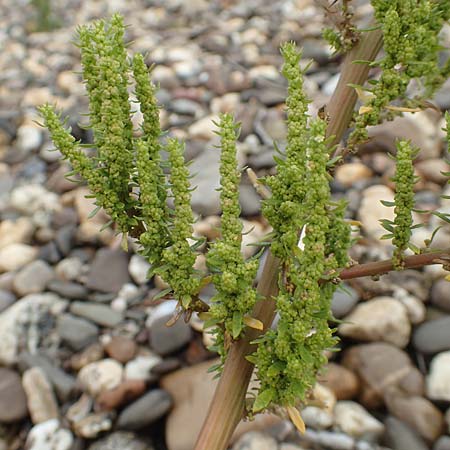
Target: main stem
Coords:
[(227, 406)]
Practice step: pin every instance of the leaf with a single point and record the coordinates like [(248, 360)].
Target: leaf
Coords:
[(251, 322), (214, 367), (162, 293), (296, 419), (276, 368), (263, 399), (387, 203), (414, 248), (236, 324), (252, 359), (443, 216), (124, 242)]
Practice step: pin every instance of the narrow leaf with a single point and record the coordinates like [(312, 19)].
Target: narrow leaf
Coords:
[(251, 322), (296, 419)]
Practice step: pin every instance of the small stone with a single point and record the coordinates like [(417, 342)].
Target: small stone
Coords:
[(255, 440), (125, 392), (418, 412), (29, 138), (49, 435), (400, 436), (121, 349), (380, 319), (440, 294), (138, 268), (353, 419), (100, 314), (343, 382), (121, 440), (140, 367), (433, 336), (438, 385), (109, 271), (89, 355), (146, 410), (351, 173), (92, 425), (343, 301), (317, 418), (77, 333), (33, 278), (6, 299), (40, 397), (443, 443), (100, 376), (15, 256), (432, 170), (17, 231), (68, 289), (31, 198), (165, 340), (13, 401), (69, 269), (203, 129)]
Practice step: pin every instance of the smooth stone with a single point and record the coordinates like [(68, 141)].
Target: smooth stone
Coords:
[(91, 426), (255, 440), (140, 367), (125, 392), (381, 366), (431, 170), (109, 271), (7, 298), (351, 173), (18, 324), (65, 238), (317, 418), (380, 319), (330, 439), (29, 137), (433, 336), (16, 231), (343, 301), (438, 380), (15, 256), (443, 443), (49, 435), (41, 399), (249, 200), (33, 278), (31, 198), (120, 440), (70, 269), (343, 382), (351, 418), (440, 294), (121, 348), (145, 411), (49, 252), (68, 289), (13, 400), (75, 332), (203, 128), (100, 376), (100, 314), (165, 340), (63, 383), (400, 436), (138, 268)]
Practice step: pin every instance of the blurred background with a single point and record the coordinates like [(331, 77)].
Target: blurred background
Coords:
[(86, 361)]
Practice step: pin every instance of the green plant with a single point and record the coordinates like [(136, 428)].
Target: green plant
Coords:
[(309, 244)]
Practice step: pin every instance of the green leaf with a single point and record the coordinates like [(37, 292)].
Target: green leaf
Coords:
[(276, 368), (263, 399), (387, 203), (443, 216), (162, 293), (94, 212), (237, 324)]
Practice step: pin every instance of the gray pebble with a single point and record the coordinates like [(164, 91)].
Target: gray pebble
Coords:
[(443, 443), (100, 314), (343, 301), (13, 401), (120, 440), (68, 289), (433, 336), (440, 294), (400, 436), (6, 299), (164, 339), (77, 333)]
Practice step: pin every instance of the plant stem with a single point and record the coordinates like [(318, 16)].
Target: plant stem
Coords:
[(227, 406)]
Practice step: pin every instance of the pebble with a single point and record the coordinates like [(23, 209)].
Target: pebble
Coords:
[(344, 300), (7, 298), (100, 376), (125, 392), (440, 294), (354, 420), (165, 340), (69, 269), (381, 319), (49, 435), (351, 173), (41, 400), (400, 436), (109, 271), (13, 401), (31, 198), (120, 440), (33, 278), (438, 380), (255, 440), (91, 426), (433, 336), (343, 382), (203, 129), (138, 268), (68, 289), (15, 256), (140, 367), (100, 314), (75, 332), (443, 443), (29, 138), (317, 418), (121, 349), (16, 231), (145, 411)]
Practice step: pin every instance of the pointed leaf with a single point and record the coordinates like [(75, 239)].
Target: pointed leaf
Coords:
[(263, 399), (296, 419), (237, 324)]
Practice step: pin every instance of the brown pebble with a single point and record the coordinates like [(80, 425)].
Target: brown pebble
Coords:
[(90, 354), (126, 391), (121, 349), (343, 382)]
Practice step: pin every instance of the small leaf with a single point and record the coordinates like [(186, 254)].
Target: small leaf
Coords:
[(252, 358), (237, 324), (94, 212), (296, 419), (387, 203), (263, 399), (162, 293), (124, 242), (204, 316), (251, 322)]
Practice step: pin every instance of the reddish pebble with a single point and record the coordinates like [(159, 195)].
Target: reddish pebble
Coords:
[(121, 349), (126, 391)]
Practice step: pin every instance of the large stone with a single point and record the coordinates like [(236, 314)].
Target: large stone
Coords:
[(400, 436), (77, 333), (438, 380), (15, 256), (146, 410), (100, 376), (164, 339), (381, 366), (40, 397), (100, 314), (13, 401), (380, 319), (109, 271), (433, 336), (33, 278)]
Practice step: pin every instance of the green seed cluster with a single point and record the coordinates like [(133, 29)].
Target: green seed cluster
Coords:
[(232, 275), (411, 42)]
